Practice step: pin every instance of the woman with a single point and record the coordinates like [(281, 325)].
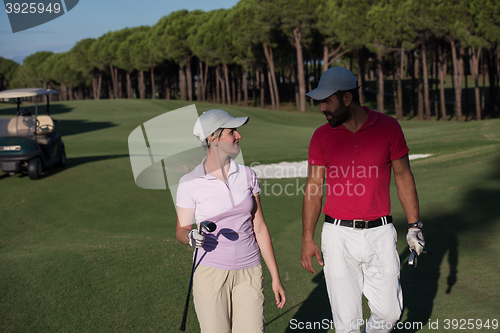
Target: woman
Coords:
[(228, 281)]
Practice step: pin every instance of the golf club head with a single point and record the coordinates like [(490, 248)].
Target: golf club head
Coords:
[(209, 226), (412, 261)]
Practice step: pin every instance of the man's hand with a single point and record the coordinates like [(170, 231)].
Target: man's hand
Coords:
[(195, 238), (415, 240), (309, 250)]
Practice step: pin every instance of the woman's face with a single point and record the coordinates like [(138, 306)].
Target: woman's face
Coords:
[(228, 141)]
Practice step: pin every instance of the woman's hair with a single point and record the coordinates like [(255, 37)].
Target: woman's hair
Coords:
[(217, 134)]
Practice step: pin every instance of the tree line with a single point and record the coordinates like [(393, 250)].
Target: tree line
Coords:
[(270, 52)]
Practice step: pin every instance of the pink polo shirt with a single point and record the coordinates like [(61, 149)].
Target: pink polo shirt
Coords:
[(358, 166), (229, 205)]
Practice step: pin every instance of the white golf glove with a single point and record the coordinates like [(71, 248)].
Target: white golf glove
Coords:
[(415, 240), (195, 238)]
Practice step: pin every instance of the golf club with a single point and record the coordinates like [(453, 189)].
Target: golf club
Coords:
[(209, 227), (412, 261)]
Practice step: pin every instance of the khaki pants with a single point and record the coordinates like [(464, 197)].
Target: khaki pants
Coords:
[(229, 300)]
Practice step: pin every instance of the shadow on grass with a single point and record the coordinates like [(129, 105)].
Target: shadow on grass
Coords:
[(420, 285), (479, 211), (55, 109), (64, 127), (72, 127), (70, 163), (315, 309), (77, 161)]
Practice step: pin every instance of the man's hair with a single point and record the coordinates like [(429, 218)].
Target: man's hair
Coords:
[(354, 92)]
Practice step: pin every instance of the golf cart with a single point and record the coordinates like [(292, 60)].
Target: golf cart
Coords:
[(29, 143)]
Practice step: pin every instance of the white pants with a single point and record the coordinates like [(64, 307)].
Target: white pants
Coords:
[(358, 262)]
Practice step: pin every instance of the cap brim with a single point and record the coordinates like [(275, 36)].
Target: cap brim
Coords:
[(320, 94), (235, 122)]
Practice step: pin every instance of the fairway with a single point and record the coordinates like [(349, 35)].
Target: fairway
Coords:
[(84, 249)]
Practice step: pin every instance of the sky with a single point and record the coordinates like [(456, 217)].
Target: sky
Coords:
[(91, 19)]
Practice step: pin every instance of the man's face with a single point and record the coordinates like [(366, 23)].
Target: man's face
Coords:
[(335, 111)]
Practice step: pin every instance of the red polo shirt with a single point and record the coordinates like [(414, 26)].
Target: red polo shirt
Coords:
[(358, 166)]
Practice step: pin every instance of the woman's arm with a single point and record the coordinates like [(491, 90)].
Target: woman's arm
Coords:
[(185, 218), (266, 249)]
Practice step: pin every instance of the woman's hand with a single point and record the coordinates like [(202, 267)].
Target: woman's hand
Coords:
[(279, 293)]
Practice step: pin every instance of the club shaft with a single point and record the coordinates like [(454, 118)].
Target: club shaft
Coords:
[(186, 307)]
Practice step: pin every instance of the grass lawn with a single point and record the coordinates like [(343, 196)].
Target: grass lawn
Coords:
[(86, 250)]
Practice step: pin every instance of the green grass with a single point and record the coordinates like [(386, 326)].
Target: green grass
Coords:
[(86, 250)]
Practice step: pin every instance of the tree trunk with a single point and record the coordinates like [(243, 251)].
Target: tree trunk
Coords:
[(189, 78), (204, 87), (153, 86), (114, 80), (64, 92), (120, 85), (425, 72), (326, 52), (418, 69), (262, 90), (300, 68), (361, 75), (434, 85), (400, 85), (474, 66), (168, 88), (217, 85), (226, 78), (245, 87), (457, 80), (492, 73), (199, 85), (233, 88), (96, 85), (142, 85), (396, 86), (441, 69), (414, 74), (268, 52), (395, 90), (271, 92), (182, 83), (380, 82), (130, 92), (330, 57)]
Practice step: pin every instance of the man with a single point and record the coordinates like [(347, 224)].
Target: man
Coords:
[(355, 152)]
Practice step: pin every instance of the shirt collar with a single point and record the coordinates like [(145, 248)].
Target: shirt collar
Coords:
[(370, 120), (199, 171)]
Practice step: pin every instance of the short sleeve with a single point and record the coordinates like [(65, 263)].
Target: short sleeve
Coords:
[(315, 153), (254, 182), (398, 142), (184, 198)]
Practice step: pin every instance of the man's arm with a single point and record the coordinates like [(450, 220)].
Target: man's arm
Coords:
[(311, 209), (407, 191)]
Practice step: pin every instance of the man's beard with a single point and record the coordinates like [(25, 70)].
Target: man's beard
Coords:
[(339, 116)]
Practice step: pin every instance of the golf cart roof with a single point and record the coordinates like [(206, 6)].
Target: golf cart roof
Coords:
[(26, 92)]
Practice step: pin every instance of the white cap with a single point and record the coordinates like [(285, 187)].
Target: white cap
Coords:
[(212, 120), (334, 79)]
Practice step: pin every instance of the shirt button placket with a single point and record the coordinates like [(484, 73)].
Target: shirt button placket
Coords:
[(357, 151)]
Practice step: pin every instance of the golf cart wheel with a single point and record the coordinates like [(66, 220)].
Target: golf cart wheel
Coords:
[(35, 168), (62, 159)]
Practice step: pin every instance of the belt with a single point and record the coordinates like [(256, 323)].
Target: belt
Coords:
[(360, 224)]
